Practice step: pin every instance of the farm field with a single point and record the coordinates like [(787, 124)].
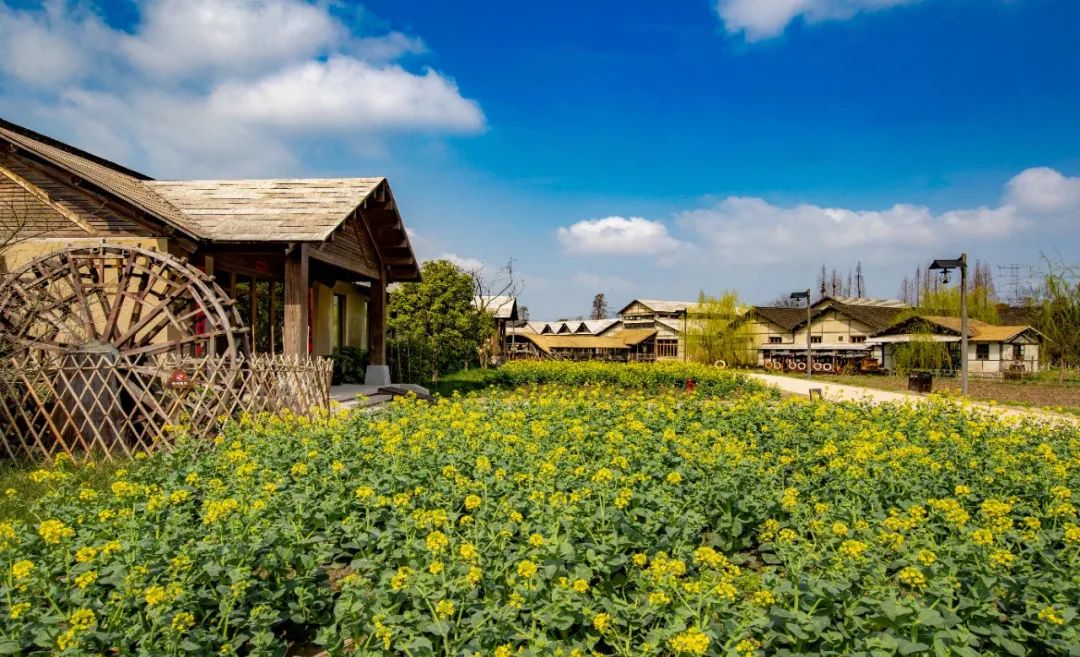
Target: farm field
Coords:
[(566, 519), (1041, 393)]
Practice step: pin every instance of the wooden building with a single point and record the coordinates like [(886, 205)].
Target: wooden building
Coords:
[(839, 329), (992, 350), (307, 260), (668, 318)]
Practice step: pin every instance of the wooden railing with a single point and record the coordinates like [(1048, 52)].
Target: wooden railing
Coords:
[(112, 405)]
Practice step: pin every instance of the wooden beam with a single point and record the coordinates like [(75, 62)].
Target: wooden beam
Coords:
[(254, 298), (295, 332), (42, 196), (377, 320)]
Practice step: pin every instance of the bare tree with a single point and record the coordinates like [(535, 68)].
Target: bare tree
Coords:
[(491, 289), (784, 301), (599, 307)]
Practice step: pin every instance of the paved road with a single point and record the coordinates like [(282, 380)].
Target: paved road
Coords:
[(840, 392)]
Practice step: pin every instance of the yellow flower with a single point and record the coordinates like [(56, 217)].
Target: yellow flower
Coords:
[(639, 560), (475, 575), (299, 469), (85, 554), (1001, 558), (961, 490), (790, 499), (218, 509), (472, 502), (853, 549), (20, 569), (154, 595), (692, 642), (926, 557), (536, 540), (435, 567), (659, 598), (747, 647), (364, 492), (602, 623), (763, 598), (1051, 615), (400, 578), (839, 529), (468, 552), (581, 586), (53, 531), (982, 537), (673, 478), (912, 577), (444, 608), (526, 569), (436, 542), (18, 609), (505, 650), (1072, 533), (707, 556), (81, 620), (86, 579), (183, 621)]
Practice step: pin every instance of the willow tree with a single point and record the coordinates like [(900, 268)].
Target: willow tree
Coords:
[(1058, 314), (715, 331)]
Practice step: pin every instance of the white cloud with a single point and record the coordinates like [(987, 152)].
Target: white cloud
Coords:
[(184, 37), (464, 262), (763, 19), (344, 93), (1044, 191), (617, 236), (223, 87), (50, 46), (752, 230)]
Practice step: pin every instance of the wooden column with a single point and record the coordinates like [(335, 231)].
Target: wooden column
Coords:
[(295, 333), (376, 328)]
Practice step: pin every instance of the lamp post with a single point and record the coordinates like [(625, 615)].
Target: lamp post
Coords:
[(944, 266), (809, 363)]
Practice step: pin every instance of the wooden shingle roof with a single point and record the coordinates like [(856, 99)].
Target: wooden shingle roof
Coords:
[(293, 210), (122, 182), (283, 210)]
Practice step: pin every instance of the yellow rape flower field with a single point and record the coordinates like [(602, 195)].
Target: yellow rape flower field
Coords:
[(567, 519)]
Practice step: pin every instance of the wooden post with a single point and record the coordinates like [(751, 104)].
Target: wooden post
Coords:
[(377, 320), (295, 333), (273, 317), (254, 315)]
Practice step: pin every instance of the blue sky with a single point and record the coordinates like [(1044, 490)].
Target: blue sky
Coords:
[(635, 148)]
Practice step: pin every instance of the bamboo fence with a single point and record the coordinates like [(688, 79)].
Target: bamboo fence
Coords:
[(112, 405)]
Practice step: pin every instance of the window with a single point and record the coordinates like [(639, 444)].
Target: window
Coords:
[(1018, 352), (982, 352), (337, 323), (667, 348), (775, 339), (858, 339), (815, 339), (839, 338)]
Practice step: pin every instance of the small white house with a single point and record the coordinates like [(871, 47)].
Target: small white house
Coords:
[(992, 350)]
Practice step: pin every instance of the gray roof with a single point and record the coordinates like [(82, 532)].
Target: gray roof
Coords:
[(285, 210), (127, 184), (294, 210), (500, 306), (661, 306)]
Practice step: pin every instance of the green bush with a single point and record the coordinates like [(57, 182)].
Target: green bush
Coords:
[(350, 365), (652, 377)]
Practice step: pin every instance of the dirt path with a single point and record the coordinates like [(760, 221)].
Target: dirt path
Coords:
[(841, 392)]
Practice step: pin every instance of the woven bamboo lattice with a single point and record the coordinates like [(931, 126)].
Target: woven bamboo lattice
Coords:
[(115, 405)]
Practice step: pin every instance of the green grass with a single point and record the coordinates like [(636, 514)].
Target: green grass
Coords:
[(18, 490), (465, 381)]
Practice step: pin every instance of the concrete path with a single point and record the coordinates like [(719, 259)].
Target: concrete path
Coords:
[(353, 395), (841, 392)]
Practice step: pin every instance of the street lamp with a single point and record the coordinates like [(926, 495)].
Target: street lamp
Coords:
[(806, 295), (944, 266)]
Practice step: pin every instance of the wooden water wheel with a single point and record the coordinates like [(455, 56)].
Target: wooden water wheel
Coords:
[(97, 325), (137, 301)]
